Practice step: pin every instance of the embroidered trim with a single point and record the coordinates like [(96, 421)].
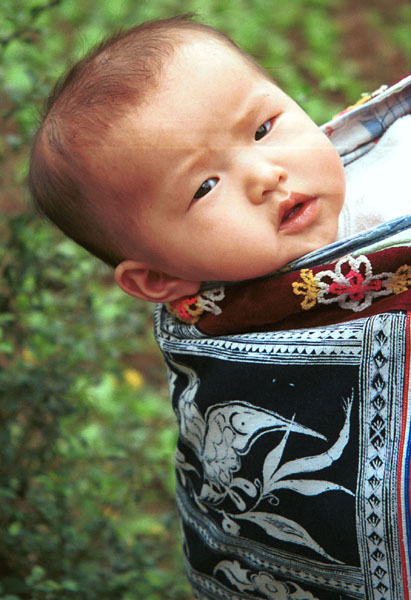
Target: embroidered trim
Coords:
[(401, 280), (365, 97), (190, 308), (351, 285), (309, 288)]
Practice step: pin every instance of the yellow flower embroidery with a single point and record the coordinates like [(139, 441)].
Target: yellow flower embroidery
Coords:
[(401, 280), (308, 288)]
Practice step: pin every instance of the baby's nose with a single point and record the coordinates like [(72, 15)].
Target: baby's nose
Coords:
[(265, 177)]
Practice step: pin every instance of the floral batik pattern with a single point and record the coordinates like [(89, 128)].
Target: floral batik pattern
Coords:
[(352, 284), (292, 459)]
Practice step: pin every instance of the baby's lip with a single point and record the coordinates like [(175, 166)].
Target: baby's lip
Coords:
[(286, 207)]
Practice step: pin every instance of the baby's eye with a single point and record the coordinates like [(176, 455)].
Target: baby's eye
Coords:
[(263, 129), (205, 187)]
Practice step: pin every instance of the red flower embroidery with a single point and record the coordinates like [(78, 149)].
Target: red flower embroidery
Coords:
[(190, 308), (356, 287), (352, 284)]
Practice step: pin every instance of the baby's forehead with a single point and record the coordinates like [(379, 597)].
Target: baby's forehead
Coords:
[(207, 45)]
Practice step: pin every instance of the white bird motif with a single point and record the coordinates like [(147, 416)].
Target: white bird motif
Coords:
[(227, 431), (231, 429), (223, 435)]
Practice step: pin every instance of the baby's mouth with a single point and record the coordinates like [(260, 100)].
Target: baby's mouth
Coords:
[(291, 212), (298, 211)]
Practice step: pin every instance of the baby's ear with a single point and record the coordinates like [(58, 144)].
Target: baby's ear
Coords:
[(138, 280)]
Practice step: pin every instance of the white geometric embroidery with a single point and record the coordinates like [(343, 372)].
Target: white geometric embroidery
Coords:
[(334, 344), (208, 298), (378, 424), (353, 285)]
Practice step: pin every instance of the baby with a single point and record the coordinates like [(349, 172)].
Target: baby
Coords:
[(173, 157)]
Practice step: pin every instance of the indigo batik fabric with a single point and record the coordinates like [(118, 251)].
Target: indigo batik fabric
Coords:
[(293, 459)]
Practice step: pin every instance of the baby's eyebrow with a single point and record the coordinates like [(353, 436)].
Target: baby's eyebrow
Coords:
[(193, 159), (196, 159), (247, 117), (251, 110)]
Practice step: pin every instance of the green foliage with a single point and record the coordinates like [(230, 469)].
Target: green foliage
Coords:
[(86, 486), (87, 434)]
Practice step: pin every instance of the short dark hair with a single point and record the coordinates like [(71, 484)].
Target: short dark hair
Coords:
[(79, 115)]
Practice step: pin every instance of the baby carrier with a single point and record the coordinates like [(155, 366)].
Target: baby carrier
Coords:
[(292, 397)]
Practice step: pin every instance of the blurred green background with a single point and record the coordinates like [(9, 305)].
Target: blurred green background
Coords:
[(87, 434)]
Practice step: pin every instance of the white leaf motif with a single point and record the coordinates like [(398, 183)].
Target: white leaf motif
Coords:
[(230, 526), (208, 494), (272, 460), (235, 574), (236, 498), (286, 530), (244, 485), (310, 487), (309, 464)]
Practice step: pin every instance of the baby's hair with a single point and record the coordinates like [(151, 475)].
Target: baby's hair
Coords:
[(80, 113)]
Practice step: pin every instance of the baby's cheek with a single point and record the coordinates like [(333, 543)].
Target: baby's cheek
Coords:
[(340, 178), (333, 167)]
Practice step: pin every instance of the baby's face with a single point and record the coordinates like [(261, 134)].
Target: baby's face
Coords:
[(230, 178)]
